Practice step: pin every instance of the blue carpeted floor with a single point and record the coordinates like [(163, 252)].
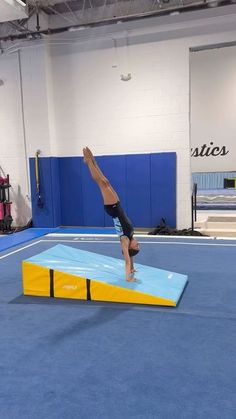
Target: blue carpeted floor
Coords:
[(69, 359), (11, 240)]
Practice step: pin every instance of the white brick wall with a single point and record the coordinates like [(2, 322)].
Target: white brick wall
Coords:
[(147, 114)]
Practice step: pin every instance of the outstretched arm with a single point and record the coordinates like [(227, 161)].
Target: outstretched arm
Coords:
[(132, 265), (129, 271)]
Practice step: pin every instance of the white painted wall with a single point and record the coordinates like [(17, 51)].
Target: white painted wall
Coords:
[(93, 106), (25, 124), (213, 104), (12, 148), (73, 96), (148, 113)]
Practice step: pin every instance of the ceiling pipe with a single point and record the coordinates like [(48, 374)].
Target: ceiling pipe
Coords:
[(37, 17), (203, 4)]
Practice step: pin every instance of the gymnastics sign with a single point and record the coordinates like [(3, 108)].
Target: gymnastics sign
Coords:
[(211, 157)]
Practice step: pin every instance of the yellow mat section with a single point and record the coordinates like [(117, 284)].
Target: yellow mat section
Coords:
[(104, 292), (67, 272), (36, 280), (69, 286)]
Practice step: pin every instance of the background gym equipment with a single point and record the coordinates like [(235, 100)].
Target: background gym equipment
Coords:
[(230, 183), (37, 176), (5, 205)]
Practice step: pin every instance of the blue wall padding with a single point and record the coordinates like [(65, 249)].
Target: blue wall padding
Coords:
[(145, 184), (115, 169), (50, 214), (71, 191), (56, 191), (163, 188), (138, 189)]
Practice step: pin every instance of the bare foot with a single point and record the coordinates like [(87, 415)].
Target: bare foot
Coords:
[(86, 156), (89, 154)]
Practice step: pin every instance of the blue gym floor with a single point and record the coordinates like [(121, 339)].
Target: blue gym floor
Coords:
[(70, 359)]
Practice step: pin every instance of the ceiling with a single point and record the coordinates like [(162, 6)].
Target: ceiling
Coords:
[(54, 16)]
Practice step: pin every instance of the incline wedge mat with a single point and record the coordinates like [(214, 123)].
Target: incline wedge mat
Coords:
[(67, 272)]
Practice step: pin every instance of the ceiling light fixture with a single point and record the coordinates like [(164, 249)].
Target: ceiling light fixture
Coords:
[(125, 77), (212, 3), (21, 3), (77, 28)]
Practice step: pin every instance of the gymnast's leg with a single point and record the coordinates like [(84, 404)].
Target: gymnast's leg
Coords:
[(109, 195)]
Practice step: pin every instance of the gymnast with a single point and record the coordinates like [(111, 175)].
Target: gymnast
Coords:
[(123, 226)]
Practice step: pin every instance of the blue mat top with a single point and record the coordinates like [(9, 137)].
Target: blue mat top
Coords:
[(152, 281)]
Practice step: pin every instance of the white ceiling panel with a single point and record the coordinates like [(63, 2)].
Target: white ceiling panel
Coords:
[(11, 10)]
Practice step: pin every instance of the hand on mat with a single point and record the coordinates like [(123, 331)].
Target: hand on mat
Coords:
[(131, 278)]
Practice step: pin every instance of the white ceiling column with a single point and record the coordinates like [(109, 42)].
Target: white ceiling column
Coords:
[(37, 112)]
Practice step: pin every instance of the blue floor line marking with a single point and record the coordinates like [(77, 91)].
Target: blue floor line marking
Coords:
[(5, 245), (20, 249), (15, 239), (21, 237)]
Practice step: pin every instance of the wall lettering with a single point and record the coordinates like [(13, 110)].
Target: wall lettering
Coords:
[(209, 150)]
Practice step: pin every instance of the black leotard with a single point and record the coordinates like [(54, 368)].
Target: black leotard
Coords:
[(122, 223)]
